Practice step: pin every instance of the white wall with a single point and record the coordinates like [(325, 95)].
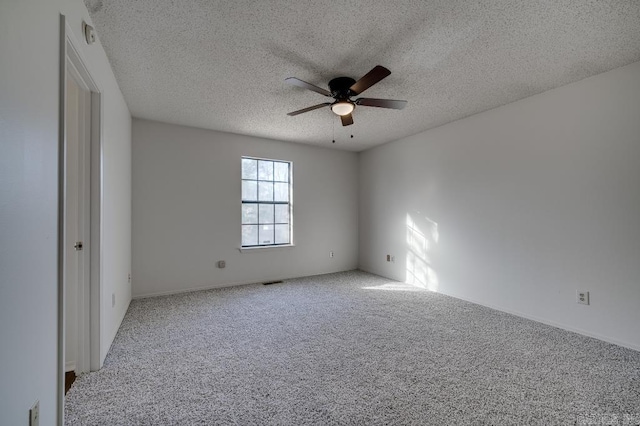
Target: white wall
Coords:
[(186, 210), (29, 40), (116, 210), (532, 201)]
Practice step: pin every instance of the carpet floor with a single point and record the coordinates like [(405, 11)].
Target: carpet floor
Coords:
[(349, 349)]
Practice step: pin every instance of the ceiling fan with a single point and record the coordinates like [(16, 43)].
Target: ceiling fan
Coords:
[(343, 88)]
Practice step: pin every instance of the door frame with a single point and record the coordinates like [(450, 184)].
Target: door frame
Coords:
[(89, 312)]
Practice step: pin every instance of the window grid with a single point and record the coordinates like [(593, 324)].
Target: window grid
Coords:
[(255, 199)]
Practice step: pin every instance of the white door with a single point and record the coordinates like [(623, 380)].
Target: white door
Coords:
[(76, 247)]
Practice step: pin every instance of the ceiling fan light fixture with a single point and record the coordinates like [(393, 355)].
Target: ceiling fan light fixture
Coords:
[(342, 89), (342, 108)]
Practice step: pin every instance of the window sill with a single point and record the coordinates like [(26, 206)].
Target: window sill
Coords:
[(262, 248)]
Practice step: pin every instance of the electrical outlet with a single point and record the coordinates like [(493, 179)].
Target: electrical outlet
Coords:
[(331, 253), (34, 414), (222, 264), (388, 258), (113, 300), (129, 277), (582, 297)]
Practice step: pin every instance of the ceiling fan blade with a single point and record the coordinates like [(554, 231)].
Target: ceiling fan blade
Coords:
[(311, 108), (347, 120), (381, 103), (372, 77), (297, 82)]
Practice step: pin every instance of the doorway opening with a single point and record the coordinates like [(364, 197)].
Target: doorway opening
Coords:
[(80, 217), (76, 234)]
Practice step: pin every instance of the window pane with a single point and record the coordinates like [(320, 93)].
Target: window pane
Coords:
[(266, 213), (265, 190), (249, 168), (265, 234), (265, 183), (281, 171), (265, 170), (281, 191), (249, 235), (282, 234), (249, 190), (282, 213), (249, 213)]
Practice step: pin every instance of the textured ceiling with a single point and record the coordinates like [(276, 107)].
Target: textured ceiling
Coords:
[(221, 64)]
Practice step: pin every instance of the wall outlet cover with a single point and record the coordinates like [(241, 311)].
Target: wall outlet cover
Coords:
[(34, 414), (582, 297)]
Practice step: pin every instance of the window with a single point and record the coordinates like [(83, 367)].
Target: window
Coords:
[(266, 202)]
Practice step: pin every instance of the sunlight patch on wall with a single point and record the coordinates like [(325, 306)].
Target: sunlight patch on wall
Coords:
[(421, 237), (421, 240)]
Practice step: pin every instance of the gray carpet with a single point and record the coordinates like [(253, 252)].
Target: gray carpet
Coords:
[(338, 350)]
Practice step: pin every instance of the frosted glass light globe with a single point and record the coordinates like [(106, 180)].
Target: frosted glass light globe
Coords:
[(342, 108)]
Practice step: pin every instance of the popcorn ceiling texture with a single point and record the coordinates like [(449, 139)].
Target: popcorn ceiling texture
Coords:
[(221, 64), (349, 349)]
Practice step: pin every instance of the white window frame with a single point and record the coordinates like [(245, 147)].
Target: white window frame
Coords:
[(289, 203)]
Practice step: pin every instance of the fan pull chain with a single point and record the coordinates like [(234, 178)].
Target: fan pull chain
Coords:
[(333, 123)]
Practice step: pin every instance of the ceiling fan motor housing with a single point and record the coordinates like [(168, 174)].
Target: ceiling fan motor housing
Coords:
[(340, 87)]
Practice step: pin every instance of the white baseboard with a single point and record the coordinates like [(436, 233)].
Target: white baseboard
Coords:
[(231, 284), (69, 366), (551, 323), (562, 326)]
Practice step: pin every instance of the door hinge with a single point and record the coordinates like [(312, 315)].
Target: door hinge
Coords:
[(78, 245)]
